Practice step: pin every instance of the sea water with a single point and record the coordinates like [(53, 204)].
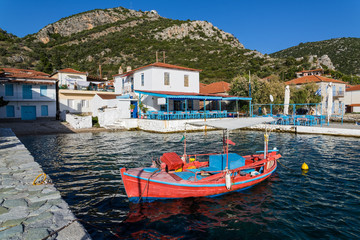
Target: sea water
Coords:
[(323, 203)]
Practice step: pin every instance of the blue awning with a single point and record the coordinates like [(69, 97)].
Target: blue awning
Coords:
[(177, 96)]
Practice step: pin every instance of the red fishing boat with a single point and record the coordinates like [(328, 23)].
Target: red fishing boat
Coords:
[(172, 176)]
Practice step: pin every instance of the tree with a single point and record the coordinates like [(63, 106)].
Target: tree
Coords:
[(3, 102), (304, 94), (261, 89)]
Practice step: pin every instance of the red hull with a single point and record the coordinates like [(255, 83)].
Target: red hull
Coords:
[(161, 185)]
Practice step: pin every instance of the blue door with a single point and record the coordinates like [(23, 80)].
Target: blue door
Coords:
[(134, 113), (28, 112)]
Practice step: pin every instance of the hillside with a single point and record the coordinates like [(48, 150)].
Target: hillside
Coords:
[(343, 52), (119, 36), (122, 37)]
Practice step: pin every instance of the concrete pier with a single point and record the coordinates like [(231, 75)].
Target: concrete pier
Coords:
[(28, 211), (345, 130), (169, 126)]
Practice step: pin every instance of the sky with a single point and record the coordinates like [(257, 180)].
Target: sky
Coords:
[(263, 25)]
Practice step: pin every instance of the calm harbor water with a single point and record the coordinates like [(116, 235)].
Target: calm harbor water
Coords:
[(322, 204)]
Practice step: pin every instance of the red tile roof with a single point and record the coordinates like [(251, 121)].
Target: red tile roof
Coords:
[(15, 73), (312, 79), (353, 88), (216, 87), (202, 87), (159, 64), (70, 70)]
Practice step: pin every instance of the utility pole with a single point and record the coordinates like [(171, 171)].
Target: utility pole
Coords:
[(249, 85), (157, 56), (100, 71), (164, 56)]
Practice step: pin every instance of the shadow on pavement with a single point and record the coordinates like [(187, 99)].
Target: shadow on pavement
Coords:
[(37, 127)]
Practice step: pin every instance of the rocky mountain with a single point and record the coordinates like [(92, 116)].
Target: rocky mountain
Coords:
[(341, 53), (122, 37)]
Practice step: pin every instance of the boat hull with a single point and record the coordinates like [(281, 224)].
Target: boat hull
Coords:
[(148, 189)]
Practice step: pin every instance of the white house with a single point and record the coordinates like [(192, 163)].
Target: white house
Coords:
[(71, 79), (77, 89), (159, 78), (31, 94), (304, 73), (322, 82), (352, 99)]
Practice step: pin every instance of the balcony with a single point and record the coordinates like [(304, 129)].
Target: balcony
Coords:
[(338, 93)]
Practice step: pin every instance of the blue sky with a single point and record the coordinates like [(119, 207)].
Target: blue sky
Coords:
[(266, 26)]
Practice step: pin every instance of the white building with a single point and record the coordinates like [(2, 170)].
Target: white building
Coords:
[(322, 82), (160, 78), (71, 79), (31, 94), (352, 99)]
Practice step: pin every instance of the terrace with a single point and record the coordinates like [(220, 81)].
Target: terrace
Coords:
[(187, 113)]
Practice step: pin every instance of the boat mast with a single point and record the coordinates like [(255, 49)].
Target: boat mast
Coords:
[(227, 149), (184, 156), (266, 140)]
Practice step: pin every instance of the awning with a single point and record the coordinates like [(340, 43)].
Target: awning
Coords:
[(191, 96), (231, 124), (93, 82), (83, 83)]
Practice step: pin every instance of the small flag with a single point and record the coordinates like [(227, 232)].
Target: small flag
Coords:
[(183, 138), (318, 92), (228, 141)]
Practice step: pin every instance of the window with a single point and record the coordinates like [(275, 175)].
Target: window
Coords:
[(142, 79), (186, 80), (10, 111), (9, 90), (166, 78), (43, 90), (85, 103), (27, 92), (44, 110), (70, 103)]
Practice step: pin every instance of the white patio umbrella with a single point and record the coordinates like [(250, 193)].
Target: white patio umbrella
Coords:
[(329, 94), (286, 100)]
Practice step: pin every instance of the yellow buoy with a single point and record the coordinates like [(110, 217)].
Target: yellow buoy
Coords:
[(304, 166)]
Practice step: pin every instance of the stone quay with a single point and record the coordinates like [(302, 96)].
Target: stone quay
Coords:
[(30, 211)]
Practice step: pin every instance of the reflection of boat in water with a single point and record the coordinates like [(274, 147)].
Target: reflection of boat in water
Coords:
[(194, 218), (175, 177)]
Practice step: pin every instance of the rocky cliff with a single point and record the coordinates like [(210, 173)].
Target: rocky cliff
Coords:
[(89, 20)]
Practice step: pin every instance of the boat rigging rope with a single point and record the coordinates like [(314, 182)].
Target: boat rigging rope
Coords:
[(147, 183)]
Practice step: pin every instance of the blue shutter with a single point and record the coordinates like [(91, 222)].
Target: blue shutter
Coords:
[(27, 92), (44, 110), (9, 90), (43, 90), (10, 111)]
